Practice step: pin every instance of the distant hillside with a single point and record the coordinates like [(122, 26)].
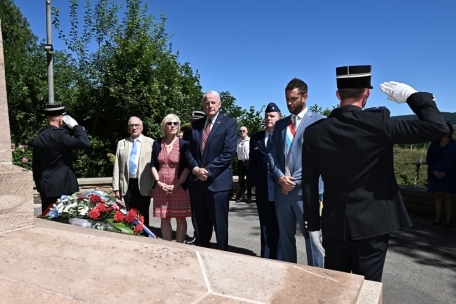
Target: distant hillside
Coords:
[(449, 117)]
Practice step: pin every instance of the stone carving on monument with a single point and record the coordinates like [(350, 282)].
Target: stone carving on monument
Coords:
[(16, 183)]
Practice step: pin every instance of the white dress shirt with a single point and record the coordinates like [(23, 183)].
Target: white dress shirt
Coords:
[(243, 148)]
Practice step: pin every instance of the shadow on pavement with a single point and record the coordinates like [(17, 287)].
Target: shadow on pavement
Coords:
[(437, 243)]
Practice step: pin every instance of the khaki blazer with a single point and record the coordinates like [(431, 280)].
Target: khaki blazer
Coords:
[(121, 166)]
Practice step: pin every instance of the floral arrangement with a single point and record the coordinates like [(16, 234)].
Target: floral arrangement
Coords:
[(22, 156), (96, 210)]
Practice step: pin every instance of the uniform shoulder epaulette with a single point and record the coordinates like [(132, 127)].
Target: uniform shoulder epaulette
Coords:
[(375, 109)]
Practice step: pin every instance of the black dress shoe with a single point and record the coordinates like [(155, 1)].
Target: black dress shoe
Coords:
[(191, 241), (435, 223), (248, 201)]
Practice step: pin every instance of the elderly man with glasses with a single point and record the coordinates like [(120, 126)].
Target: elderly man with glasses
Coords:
[(132, 179)]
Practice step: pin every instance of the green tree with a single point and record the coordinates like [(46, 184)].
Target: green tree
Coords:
[(126, 68), (26, 75)]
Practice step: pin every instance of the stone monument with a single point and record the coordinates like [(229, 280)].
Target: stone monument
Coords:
[(16, 183)]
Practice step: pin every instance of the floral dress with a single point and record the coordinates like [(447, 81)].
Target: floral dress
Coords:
[(170, 204)]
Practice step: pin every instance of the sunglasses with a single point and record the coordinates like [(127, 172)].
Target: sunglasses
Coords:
[(242, 131), (172, 123)]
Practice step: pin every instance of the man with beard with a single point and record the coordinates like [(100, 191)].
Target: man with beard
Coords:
[(285, 161)]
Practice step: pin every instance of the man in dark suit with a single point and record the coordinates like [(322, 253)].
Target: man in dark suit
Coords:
[(263, 184), (212, 147), (52, 165), (353, 151), (286, 167)]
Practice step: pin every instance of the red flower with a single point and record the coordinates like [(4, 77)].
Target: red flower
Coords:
[(94, 213), (138, 228), (101, 207), (134, 212), (96, 199), (118, 217), (131, 216), (141, 219)]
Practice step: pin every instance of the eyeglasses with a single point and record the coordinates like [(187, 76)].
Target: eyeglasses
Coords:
[(134, 126), (242, 131), (172, 123)]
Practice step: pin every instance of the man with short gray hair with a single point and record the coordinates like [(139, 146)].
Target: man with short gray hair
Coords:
[(132, 178)]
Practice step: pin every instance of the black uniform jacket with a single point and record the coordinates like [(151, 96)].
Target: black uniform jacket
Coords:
[(259, 173), (353, 151), (52, 164)]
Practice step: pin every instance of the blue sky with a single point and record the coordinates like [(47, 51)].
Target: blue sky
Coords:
[(253, 48)]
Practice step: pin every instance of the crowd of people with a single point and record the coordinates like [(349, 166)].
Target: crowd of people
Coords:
[(346, 157)]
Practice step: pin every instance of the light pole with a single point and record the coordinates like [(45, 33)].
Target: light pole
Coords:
[(49, 49)]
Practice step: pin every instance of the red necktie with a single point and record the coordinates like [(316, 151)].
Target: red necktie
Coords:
[(207, 130)]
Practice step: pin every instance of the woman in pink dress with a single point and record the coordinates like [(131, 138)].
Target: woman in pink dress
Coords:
[(169, 169)]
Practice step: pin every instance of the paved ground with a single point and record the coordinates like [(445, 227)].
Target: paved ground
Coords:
[(420, 265)]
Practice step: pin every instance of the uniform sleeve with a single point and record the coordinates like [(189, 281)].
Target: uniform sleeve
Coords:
[(37, 170), (80, 140), (252, 163), (429, 126), (310, 190)]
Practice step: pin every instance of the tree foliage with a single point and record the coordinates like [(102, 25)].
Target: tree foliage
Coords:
[(26, 76), (126, 68)]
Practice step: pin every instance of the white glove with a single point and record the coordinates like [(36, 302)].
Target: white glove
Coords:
[(317, 239), (69, 121), (396, 91)]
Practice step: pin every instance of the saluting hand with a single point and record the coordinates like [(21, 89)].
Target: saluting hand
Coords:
[(396, 91)]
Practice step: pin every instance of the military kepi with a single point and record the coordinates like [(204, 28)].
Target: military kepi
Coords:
[(354, 77), (196, 114), (53, 109), (272, 107)]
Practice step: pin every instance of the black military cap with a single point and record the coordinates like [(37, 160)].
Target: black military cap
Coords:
[(54, 109), (196, 114), (272, 107), (354, 77)]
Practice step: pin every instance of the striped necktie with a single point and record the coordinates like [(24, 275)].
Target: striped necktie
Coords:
[(207, 130), (291, 132)]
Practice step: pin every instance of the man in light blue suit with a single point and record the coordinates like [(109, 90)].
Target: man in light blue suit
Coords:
[(286, 160)]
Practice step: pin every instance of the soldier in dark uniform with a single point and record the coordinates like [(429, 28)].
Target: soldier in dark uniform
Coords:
[(353, 151), (194, 115), (263, 184), (52, 165)]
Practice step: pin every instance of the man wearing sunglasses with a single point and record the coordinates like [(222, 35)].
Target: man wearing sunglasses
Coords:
[(132, 179), (212, 147)]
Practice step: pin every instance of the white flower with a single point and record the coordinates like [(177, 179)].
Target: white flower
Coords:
[(83, 210), (59, 207), (69, 207)]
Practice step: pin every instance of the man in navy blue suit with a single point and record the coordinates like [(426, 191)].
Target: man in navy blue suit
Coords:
[(263, 184), (212, 148)]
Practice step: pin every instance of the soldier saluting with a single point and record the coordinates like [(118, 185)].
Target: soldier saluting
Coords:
[(52, 165), (352, 149)]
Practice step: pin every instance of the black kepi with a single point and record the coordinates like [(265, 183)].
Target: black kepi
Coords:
[(54, 109), (354, 77)]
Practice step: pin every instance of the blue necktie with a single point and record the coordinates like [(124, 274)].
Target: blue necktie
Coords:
[(133, 157)]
